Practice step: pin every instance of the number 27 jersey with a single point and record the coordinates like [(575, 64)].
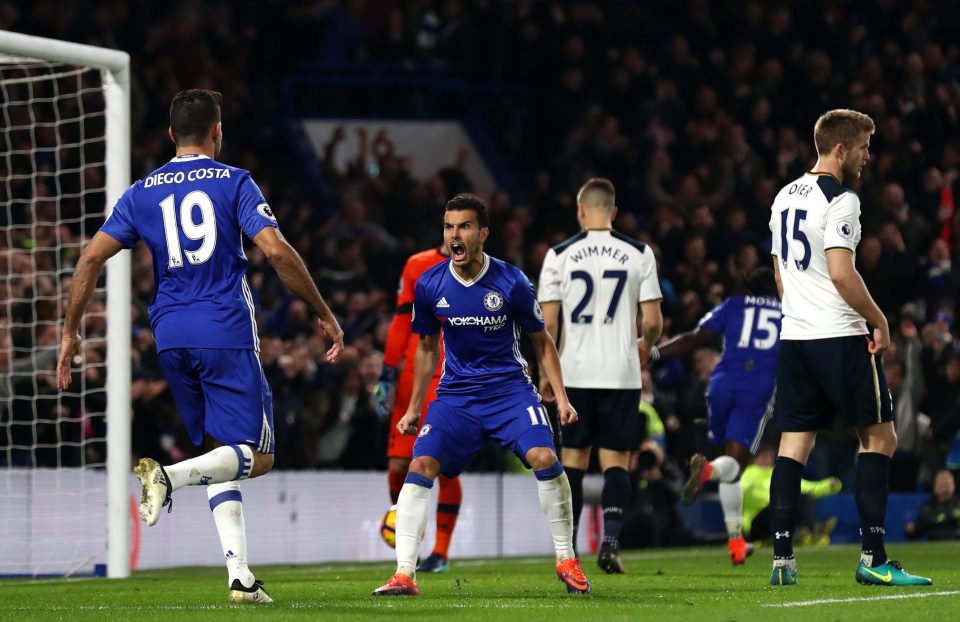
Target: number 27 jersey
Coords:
[(599, 277), (190, 213), (811, 216)]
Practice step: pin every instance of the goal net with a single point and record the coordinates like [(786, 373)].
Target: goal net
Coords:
[(56, 185)]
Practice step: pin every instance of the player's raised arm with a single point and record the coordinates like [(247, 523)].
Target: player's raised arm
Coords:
[(424, 362), (89, 266), (293, 273)]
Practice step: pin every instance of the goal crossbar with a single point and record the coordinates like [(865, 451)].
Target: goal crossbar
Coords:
[(114, 66)]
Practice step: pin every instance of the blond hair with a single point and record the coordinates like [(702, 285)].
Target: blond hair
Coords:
[(840, 126), (597, 192)]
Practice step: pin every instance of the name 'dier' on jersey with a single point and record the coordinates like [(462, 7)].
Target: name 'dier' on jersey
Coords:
[(600, 277), (481, 322), (811, 216)]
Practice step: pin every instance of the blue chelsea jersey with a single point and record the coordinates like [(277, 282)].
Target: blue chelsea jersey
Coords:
[(481, 322), (190, 213), (750, 326)]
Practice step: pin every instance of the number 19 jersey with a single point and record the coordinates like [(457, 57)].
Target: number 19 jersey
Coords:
[(811, 216), (599, 277), (191, 213)]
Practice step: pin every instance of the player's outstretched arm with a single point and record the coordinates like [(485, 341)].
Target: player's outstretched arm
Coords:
[(854, 292), (424, 363), (89, 266), (293, 273), (548, 360), (678, 345)]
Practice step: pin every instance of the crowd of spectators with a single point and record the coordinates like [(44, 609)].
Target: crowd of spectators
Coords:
[(698, 111)]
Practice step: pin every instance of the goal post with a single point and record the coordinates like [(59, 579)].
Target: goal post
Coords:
[(114, 70)]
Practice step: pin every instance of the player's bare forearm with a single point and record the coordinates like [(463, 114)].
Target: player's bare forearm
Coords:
[(685, 343), (85, 276), (852, 289), (84, 279), (548, 360), (294, 275), (424, 363), (651, 326), (292, 271), (551, 318)]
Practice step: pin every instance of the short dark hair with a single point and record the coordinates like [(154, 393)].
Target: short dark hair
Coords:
[(467, 201), (192, 113), (762, 282)]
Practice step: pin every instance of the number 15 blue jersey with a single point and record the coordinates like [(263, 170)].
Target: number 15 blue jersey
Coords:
[(190, 213), (750, 326)]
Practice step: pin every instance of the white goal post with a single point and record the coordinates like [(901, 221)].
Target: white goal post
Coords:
[(114, 69)]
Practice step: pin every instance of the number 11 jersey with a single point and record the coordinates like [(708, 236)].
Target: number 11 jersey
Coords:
[(599, 277), (811, 216), (190, 213)]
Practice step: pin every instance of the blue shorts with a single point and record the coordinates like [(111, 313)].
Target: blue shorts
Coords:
[(739, 416), (221, 393), (458, 426)]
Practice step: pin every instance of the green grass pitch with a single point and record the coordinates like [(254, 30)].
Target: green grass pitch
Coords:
[(662, 585)]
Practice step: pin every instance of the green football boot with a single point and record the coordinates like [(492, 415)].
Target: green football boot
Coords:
[(890, 573), (783, 575)]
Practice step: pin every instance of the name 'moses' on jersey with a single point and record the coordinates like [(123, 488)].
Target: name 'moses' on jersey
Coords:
[(811, 216), (481, 321), (190, 213), (599, 276), (750, 326)]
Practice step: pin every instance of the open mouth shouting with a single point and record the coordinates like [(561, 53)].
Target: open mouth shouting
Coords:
[(458, 252)]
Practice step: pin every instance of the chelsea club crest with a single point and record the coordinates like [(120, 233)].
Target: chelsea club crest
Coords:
[(493, 301)]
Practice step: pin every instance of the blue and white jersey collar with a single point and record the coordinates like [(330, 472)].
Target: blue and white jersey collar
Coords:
[(483, 270), (189, 156)]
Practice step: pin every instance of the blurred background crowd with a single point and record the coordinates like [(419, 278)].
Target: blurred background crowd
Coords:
[(698, 112)]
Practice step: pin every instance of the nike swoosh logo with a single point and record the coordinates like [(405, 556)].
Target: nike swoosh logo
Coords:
[(883, 577)]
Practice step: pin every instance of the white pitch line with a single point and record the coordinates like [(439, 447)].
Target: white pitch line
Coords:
[(828, 601)]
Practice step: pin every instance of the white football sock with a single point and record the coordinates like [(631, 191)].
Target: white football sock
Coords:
[(725, 469), (557, 505), (214, 467), (413, 509), (227, 507), (731, 501)]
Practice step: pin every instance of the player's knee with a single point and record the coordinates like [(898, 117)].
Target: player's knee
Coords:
[(262, 463), (541, 458), (425, 466)]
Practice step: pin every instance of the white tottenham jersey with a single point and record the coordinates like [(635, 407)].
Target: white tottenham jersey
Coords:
[(599, 277), (812, 215)]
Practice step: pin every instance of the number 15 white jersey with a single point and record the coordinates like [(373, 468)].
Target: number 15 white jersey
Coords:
[(599, 277), (811, 216)]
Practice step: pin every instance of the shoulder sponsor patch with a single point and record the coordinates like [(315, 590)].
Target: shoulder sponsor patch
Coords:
[(266, 212), (537, 311), (845, 230)]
